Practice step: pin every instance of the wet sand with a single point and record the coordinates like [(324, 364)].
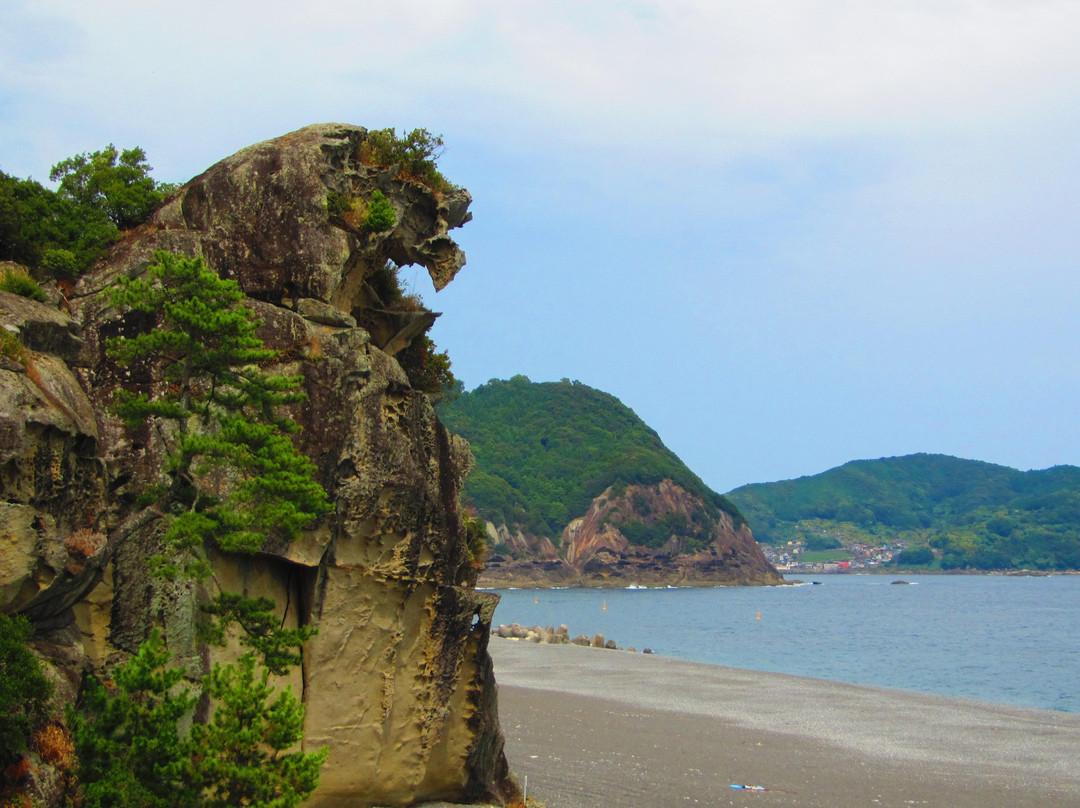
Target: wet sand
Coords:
[(592, 728)]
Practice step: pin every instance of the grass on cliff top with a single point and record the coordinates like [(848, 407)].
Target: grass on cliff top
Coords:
[(19, 283)]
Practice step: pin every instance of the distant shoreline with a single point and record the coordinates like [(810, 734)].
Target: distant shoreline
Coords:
[(489, 585)]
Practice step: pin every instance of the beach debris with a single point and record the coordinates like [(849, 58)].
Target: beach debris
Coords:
[(759, 788)]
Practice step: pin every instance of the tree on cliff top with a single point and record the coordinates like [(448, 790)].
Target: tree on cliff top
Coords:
[(415, 154), (59, 234), (118, 183)]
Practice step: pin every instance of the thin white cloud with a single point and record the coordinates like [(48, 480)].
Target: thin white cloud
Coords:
[(683, 70)]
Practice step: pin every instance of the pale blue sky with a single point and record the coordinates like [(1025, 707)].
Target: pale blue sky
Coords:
[(788, 234)]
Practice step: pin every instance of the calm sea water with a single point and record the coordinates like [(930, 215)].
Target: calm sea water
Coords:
[(995, 638)]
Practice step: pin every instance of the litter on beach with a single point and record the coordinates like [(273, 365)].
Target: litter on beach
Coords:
[(759, 788)]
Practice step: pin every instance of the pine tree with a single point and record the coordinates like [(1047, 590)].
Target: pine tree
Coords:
[(132, 753), (24, 690), (219, 415), (244, 757), (232, 480)]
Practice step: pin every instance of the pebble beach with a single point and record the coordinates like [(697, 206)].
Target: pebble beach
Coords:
[(596, 728)]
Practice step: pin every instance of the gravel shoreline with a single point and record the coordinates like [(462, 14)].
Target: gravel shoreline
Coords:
[(593, 728)]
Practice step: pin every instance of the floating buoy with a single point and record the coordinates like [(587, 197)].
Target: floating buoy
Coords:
[(759, 614), (536, 599), (604, 607)]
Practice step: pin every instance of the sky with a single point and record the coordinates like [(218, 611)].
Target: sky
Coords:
[(787, 234)]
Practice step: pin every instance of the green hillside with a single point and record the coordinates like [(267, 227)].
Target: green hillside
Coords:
[(976, 515), (544, 451)]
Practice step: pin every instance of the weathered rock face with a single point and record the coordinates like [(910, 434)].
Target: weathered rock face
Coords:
[(596, 550), (518, 541), (52, 481), (397, 682)]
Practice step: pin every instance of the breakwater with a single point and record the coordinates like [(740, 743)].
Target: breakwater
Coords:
[(558, 636)]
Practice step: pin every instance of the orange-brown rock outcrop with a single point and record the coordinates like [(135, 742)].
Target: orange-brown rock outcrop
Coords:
[(597, 548)]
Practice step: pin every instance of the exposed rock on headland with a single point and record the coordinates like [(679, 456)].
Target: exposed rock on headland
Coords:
[(596, 551), (397, 682)]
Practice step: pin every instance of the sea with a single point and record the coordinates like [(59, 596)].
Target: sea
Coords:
[(998, 638)]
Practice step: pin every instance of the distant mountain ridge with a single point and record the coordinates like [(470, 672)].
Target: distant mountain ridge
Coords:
[(576, 489), (975, 515)]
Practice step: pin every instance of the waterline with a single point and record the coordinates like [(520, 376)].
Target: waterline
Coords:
[(994, 638)]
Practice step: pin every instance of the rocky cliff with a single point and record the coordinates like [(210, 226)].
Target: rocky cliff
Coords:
[(641, 535), (397, 682)]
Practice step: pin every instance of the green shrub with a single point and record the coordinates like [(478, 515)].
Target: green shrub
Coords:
[(24, 690), (338, 204), (60, 263), (386, 285), (822, 543), (655, 534), (21, 284), (427, 368), (380, 214), (476, 536)]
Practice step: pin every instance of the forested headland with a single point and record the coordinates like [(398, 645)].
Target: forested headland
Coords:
[(545, 451), (955, 514)]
